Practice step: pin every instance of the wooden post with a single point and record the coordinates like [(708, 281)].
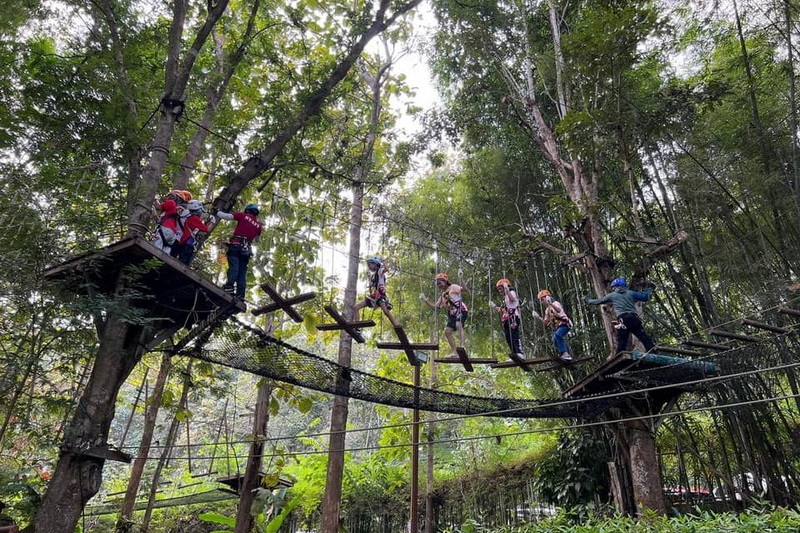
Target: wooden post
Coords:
[(415, 455)]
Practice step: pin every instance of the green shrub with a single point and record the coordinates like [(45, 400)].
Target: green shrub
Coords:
[(769, 521)]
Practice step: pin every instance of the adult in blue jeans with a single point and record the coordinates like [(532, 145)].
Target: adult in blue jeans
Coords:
[(247, 230), (554, 315), (623, 301)]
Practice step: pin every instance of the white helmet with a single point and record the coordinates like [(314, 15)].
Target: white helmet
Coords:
[(194, 206)]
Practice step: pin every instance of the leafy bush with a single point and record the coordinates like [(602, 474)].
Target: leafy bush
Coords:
[(770, 521)]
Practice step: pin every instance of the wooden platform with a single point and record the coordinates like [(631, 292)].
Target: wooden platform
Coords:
[(169, 289), (606, 378)]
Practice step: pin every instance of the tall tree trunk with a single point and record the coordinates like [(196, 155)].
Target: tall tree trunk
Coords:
[(247, 493), (329, 522), (77, 477), (125, 521), (645, 471), (166, 452)]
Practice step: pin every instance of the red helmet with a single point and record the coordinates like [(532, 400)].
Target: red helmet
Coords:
[(502, 282), (441, 276), (544, 293)]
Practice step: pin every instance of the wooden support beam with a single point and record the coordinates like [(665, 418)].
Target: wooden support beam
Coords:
[(709, 345), (407, 346), (789, 311), (279, 302), (462, 354), (352, 328), (729, 335), (764, 325), (681, 351), (294, 300)]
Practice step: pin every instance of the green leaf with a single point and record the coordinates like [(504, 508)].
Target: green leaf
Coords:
[(216, 518)]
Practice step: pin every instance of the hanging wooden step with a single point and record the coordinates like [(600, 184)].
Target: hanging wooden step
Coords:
[(352, 328), (279, 302)]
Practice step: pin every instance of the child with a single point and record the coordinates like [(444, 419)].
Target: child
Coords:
[(554, 315), (185, 247), (456, 309), (166, 233), (248, 228), (509, 316), (624, 301), (377, 290)]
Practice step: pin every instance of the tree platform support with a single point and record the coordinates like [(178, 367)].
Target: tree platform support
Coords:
[(407, 346), (172, 293), (649, 368), (352, 328), (279, 302)]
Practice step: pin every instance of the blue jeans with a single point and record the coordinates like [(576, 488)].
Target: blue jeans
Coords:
[(560, 340), (237, 270)]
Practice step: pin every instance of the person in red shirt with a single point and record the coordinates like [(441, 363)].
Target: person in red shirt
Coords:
[(248, 228), (166, 234), (185, 247)]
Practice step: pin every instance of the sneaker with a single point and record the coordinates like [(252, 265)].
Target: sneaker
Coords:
[(566, 356), (227, 289), (520, 355)]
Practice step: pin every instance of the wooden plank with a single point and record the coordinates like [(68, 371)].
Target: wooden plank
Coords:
[(519, 361), (349, 327), (456, 360), (104, 452), (294, 300), (729, 335), (282, 302), (679, 351), (764, 325), (523, 362), (462, 354), (401, 346), (407, 346), (709, 345), (359, 324)]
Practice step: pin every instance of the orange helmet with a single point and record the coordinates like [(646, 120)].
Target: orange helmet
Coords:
[(544, 293), (441, 276), (183, 195), (501, 282)]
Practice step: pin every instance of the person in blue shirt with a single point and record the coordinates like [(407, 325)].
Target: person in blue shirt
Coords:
[(623, 300)]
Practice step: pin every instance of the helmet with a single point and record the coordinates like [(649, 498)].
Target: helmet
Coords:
[(501, 282), (194, 206), (251, 207), (374, 261), (183, 196), (619, 282), (544, 293), (441, 276)]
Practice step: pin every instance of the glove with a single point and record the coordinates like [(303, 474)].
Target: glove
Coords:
[(571, 333), (586, 299), (537, 315), (492, 304), (422, 296), (212, 219)]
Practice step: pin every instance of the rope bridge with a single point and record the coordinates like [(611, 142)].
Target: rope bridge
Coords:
[(244, 348)]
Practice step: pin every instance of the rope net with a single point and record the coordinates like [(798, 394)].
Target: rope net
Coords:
[(239, 346)]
